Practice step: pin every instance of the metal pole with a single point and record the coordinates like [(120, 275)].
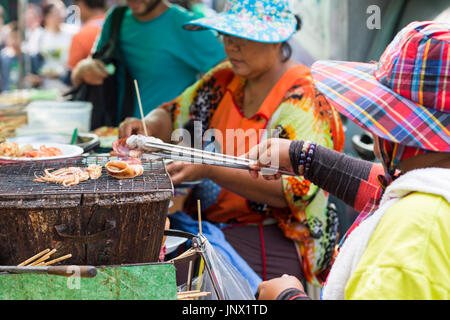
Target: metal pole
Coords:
[(21, 9)]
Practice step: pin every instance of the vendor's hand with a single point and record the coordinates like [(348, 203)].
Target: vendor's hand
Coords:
[(33, 80), (184, 171), (132, 126), (271, 152), (51, 75), (271, 289), (92, 71)]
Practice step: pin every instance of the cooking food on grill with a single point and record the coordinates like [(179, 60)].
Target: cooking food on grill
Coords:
[(138, 142), (95, 171), (70, 176), (125, 169), (121, 149), (114, 213), (12, 149)]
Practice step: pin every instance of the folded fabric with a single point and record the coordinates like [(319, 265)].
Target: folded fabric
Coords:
[(181, 221)]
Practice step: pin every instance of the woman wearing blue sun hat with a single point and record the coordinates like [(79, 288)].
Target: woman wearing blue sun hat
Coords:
[(275, 226)]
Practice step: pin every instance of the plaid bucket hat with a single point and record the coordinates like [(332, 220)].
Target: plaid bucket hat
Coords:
[(269, 21), (405, 97)]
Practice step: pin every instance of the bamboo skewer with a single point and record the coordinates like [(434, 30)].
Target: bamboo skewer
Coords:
[(39, 260), (189, 278), (45, 257), (140, 107), (33, 258), (181, 293), (199, 208), (184, 254), (191, 295), (67, 256)]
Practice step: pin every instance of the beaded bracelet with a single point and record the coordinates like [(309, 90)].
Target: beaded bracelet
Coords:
[(309, 158), (302, 160)]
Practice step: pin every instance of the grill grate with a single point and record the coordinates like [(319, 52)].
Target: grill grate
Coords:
[(17, 179)]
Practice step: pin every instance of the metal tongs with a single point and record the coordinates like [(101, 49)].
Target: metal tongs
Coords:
[(159, 149)]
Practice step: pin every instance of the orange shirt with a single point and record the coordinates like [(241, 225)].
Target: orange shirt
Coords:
[(83, 41), (248, 131)]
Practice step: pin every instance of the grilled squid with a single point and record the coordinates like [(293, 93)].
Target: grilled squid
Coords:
[(94, 171), (124, 169), (70, 176)]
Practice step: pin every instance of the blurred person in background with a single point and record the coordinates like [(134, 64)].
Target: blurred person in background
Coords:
[(10, 57), (92, 15), (34, 29), (54, 46), (163, 57), (2, 27)]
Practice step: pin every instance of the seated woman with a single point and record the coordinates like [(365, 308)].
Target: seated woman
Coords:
[(276, 226), (399, 246)]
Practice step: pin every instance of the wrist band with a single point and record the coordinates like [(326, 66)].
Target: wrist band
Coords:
[(295, 150)]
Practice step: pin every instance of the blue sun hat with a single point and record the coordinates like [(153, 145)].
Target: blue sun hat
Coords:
[(269, 21)]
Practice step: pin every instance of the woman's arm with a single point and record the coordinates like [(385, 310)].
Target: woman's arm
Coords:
[(283, 288), (349, 179)]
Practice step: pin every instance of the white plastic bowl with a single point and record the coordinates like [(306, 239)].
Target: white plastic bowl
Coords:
[(55, 115)]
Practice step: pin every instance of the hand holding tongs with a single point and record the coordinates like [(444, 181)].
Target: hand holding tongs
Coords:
[(158, 148)]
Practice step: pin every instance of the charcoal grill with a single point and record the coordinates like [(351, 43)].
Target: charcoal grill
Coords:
[(100, 222)]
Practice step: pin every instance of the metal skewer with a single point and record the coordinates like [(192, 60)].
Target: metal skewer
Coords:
[(192, 151), (181, 153), (219, 162)]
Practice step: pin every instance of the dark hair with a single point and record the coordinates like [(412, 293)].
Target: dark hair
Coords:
[(47, 9), (94, 4), (286, 48)]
